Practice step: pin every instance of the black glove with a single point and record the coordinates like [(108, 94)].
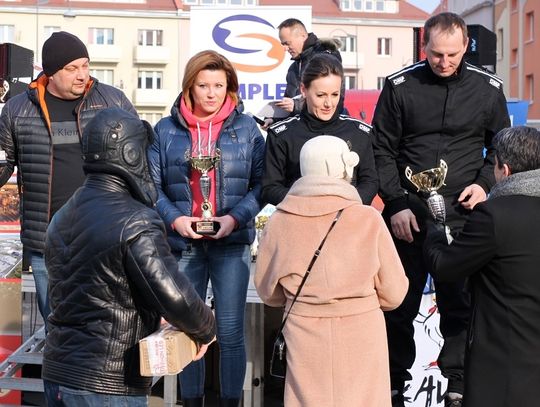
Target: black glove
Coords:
[(435, 231)]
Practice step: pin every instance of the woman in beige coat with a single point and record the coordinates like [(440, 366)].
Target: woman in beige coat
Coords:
[(336, 338)]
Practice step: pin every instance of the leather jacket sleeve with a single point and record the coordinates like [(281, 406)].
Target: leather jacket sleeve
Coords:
[(154, 271)]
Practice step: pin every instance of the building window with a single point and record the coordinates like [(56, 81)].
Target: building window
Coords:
[(345, 5), (48, 30), (514, 59), (380, 82), (7, 33), (103, 75), (150, 117), (529, 26), (350, 82), (370, 6), (500, 43), (529, 89), (383, 46), (101, 36), (150, 38), (348, 43), (222, 2), (149, 80)]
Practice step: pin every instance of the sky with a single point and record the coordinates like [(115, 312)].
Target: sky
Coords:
[(426, 5)]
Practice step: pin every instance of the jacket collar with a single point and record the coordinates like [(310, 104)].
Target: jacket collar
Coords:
[(37, 89), (522, 183), (459, 74), (307, 49), (330, 195), (317, 125), (178, 118)]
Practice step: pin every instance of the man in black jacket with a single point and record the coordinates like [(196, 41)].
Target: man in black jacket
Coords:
[(302, 46), (439, 108), (498, 251), (40, 131), (112, 275)]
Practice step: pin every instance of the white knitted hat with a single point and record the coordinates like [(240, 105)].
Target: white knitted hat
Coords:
[(328, 156)]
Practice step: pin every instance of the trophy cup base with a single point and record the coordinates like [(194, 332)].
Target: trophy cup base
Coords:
[(206, 227)]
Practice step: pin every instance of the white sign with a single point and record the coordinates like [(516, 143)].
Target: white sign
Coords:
[(248, 37), (428, 386)]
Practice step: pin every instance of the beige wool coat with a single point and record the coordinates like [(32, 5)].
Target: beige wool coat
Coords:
[(336, 338)]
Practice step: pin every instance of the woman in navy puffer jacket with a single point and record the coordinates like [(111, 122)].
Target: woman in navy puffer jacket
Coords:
[(206, 117)]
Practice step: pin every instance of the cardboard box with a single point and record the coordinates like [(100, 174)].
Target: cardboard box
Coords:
[(166, 352)]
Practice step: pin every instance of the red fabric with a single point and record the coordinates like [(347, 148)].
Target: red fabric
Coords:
[(211, 128)]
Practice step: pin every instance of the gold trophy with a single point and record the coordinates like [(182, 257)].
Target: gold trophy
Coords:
[(4, 90), (430, 181), (260, 223), (204, 163)]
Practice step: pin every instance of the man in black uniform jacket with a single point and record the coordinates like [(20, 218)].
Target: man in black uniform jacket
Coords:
[(439, 108)]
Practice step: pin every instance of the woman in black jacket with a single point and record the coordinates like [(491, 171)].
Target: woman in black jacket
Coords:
[(321, 89)]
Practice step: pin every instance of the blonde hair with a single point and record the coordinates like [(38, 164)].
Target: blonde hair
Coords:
[(212, 61)]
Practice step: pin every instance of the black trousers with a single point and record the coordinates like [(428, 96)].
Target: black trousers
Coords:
[(453, 303)]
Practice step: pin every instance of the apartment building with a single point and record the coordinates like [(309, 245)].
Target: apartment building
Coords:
[(142, 46)]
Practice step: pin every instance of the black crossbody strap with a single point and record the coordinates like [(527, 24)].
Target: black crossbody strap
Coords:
[(311, 263)]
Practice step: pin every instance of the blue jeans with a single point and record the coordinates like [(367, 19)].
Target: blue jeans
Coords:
[(41, 279), (84, 398), (227, 268)]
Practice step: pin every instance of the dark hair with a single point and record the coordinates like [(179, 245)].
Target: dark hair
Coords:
[(518, 147), (212, 61), (321, 65), (446, 22), (291, 22)]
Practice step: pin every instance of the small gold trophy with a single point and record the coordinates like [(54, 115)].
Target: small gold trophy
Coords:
[(203, 164), (4, 90), (430, 181), (260, 222)]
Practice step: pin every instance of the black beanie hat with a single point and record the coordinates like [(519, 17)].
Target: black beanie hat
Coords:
[(59, 50)]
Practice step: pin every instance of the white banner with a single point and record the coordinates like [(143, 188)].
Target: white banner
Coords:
[(248, 37), (427, 387)]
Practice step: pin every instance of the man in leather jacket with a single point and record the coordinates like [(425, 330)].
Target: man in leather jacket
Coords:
[(112, 276), (40, 132)]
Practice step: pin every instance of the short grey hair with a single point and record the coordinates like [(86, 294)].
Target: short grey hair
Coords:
[(518, 147)]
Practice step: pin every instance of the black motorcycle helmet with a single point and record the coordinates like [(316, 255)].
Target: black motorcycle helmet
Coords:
[(115, 142)]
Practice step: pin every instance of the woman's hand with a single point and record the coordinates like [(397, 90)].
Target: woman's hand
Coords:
[(226, 226), (183, 226)]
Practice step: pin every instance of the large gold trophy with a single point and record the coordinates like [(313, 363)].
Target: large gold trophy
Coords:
[(429, 181), (204, 162)]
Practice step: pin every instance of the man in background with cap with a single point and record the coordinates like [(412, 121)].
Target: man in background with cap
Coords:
[(40, 131)]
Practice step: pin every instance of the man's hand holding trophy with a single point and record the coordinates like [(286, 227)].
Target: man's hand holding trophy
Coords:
[(429, 181)]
